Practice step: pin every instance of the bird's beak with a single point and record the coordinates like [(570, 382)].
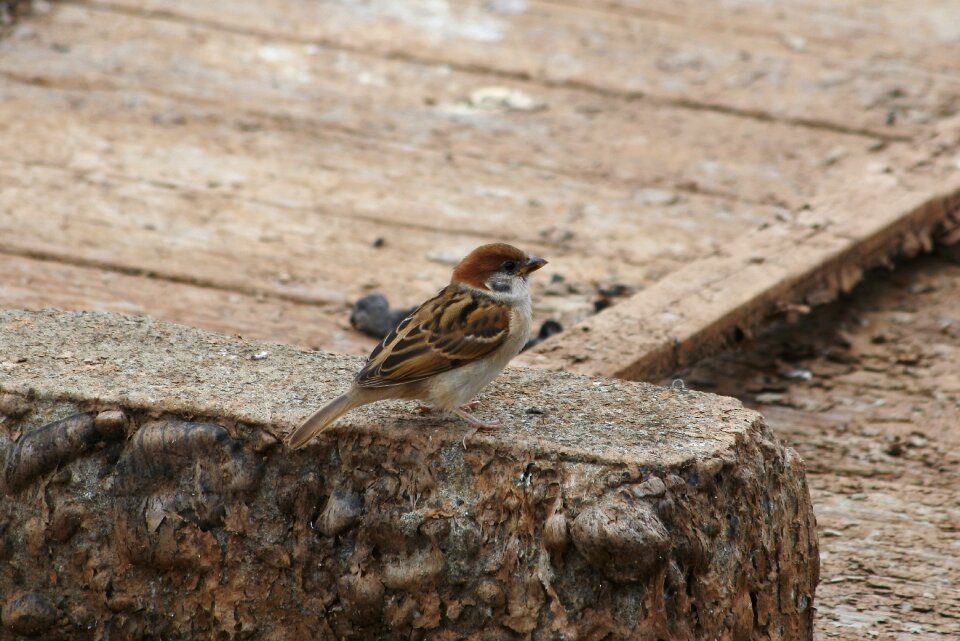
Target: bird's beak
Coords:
[(533, 264)]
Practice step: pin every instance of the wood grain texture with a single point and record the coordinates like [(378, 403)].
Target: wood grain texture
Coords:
[(690, 63), (822, 253), (29, 283)]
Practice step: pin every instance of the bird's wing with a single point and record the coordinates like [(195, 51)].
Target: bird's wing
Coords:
[(454, 328)]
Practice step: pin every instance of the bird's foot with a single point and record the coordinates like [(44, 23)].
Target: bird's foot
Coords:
[(476, 424), (466, 407)]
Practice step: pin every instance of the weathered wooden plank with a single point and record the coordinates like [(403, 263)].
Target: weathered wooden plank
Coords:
[(694, 311), (924, 34), (184, 236), (298, 254), (301, 167), (28, 283), (622, 54), (199, 186), (631, 144)]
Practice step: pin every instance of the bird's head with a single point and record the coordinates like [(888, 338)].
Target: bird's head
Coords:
[(497, 267)]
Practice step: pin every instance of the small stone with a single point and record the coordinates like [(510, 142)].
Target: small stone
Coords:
[(372, 315), (30, 614), (549, 328), (652, 487), (659, 197), (111, 423), (504, 99), (13, 405), (794, 42), (624, 540), (341, 511)]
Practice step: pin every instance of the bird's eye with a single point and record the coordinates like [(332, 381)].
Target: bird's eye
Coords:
[(510, 266)]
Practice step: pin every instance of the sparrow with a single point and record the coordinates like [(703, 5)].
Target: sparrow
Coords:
[(451, 346)]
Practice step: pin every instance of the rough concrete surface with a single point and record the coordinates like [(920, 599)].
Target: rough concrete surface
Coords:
[(146, 496)]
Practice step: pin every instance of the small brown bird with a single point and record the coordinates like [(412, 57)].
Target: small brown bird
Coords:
[(451, 346)]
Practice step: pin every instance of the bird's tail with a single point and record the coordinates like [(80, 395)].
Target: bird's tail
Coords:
[(322, 418)]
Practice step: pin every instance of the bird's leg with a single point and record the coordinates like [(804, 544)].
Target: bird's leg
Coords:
[(476, 424), (466, 407)]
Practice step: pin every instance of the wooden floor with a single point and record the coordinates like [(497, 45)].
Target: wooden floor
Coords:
[(234, 165), (254, 167), (868, 392)]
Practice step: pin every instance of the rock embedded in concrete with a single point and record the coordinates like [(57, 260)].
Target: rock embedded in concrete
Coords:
[(30, 614), (146, 494), (622, 537)]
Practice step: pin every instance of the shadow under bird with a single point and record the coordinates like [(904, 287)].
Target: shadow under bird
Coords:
[(451, 346)]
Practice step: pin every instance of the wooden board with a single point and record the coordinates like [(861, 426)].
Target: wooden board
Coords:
[(28, 283), (923, 34), (622, 53), (285, 86), (892, 211)]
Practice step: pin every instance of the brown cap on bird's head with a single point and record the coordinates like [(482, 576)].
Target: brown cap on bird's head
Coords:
[(484, 261)]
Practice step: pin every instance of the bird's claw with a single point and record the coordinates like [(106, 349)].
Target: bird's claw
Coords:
[(476, 425)]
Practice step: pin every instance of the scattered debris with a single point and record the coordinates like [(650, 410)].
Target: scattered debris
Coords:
[(260, 356), (656, 197), (608, 293), (549, 328), (372, 315), (601, 304), (558, 286), (799, 374), (614, 290), (497, 98)]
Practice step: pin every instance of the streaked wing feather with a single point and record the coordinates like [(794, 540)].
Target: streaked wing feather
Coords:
[(448, 331)]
